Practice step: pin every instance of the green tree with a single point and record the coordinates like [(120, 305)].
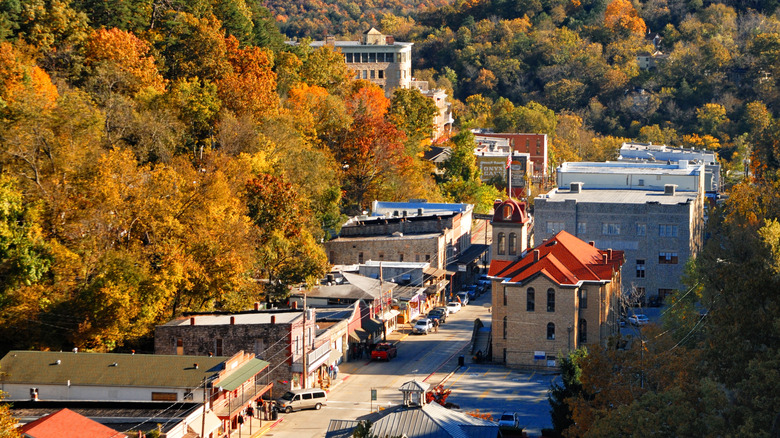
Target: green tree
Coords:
[(570, 386), (413, 113)]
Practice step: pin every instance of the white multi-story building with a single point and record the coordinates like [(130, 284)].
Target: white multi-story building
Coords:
[(649, 152)]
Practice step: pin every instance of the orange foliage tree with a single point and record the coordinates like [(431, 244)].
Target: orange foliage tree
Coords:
[(622, 18), (125, 59), (251, 85)]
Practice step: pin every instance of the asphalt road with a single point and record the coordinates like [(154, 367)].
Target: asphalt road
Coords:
[(419, 357)]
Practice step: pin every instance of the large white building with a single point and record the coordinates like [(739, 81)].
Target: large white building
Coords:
[(649, 152), (652, 211)]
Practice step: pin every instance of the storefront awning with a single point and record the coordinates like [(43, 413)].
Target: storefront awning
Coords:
[(390, 314), (212, 423), (358, 336)]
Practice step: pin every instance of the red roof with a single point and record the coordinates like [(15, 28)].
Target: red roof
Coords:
[(563, 259), (510, 210), (68, 424)]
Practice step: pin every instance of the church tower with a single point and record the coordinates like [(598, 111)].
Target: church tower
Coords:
[(510, 229)]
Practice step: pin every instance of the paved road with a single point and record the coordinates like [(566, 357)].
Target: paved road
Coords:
[(419, 356)]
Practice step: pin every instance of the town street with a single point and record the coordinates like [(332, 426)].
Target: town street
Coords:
[(419, 356)]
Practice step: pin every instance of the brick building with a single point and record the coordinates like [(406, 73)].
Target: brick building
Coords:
[(552, 299), (276, 336), (533, 144)]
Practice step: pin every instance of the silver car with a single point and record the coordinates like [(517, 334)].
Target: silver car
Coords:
[(423, 326)]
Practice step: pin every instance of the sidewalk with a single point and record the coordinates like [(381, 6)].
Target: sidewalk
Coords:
[(253, 428)]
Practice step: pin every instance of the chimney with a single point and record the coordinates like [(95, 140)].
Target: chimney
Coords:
[(419, 212), (575, 187), (330, 40), (273, 319), (389, 39), (670, 189), (232, 322), (257, 306), (536, 255), (192, 321), (294, 304), (34, 394), (609, 254), (195, 365), (592, 243)]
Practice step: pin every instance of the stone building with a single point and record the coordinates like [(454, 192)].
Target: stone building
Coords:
[(653, 212), (553, 299), (377, 58), (276, 336)]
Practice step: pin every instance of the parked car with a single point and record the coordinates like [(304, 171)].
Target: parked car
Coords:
[(453, 307), (297, 399), (509, 419), (471, 290), (638, 319), (463, 297), (423, 326), (440, 314), (384, 351)]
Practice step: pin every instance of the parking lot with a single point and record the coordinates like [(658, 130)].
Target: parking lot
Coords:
[(495, 389)]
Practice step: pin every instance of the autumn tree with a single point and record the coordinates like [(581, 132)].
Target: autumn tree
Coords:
[(623, 19), (413, 113), (250, 85)]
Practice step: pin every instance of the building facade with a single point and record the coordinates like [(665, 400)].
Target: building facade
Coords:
[(649, 152), (657, 229), (535, 145), (275, 336), (377, 58), (550, 300)]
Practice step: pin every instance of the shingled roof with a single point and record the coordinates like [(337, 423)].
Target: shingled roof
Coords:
[(564, 259), (68, 424)]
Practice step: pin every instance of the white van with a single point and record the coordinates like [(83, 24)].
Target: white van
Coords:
[(298, 399)]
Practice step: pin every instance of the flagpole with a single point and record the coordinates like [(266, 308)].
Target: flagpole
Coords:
[(509, 175)]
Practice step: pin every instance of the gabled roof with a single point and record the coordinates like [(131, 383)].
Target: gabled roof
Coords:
[(107, 369), (414, 385), (358, 287), (564, 259), (68, 424), (429, 421)]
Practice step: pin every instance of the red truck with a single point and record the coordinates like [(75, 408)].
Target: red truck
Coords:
[(384, 351)]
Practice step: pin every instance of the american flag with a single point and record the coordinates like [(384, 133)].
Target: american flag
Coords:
[(509, 161)]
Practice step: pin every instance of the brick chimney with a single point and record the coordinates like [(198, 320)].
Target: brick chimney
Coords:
[(536, 255)]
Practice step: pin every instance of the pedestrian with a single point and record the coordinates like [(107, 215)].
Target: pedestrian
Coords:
[(436, 325), (330, 371), (250, 411), (335, 372)]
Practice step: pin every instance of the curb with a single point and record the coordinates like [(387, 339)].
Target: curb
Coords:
[(447, 361), (263, 430)]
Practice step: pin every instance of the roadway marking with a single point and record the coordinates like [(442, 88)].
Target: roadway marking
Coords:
[(456, 380), (484, 394)]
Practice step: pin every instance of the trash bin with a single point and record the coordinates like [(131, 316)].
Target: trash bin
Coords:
[(461, 361), (274, 415)]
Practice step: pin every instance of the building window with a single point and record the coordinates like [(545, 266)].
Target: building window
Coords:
[(504, 355), (667, 258), (551, 331), (427, 257), (357, 74), (640, 269), (372, 57), (663, 293), (373, 74), (180, 347), (360, 257), (530, 300), (641, 229), (381, 74), (551, 300), (401, 257), (348, 57), (389, 57), (512, 243), (667, 230), (218, 347), (641, 182), (582, 228), (380, 57), (554, 227), (507, 212), (365, 74), (583, 331), (417, 257), (610, 229), (505, 295), (364, 57), (501, 243), (583, 298), (505, 327)]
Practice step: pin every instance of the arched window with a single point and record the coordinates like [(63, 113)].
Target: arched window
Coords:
[(583, 331), (501, 243), (551, 300), (530, 300), (505, 327), (507, 212), (551, 331), (512, 243)]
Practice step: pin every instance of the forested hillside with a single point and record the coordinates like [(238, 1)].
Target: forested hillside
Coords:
[(166, 157), (158, 157)]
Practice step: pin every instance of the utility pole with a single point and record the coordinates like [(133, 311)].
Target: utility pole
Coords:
[(304, 372), (203, 420), (382, 304)]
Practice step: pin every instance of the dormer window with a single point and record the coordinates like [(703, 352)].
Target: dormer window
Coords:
[(507, 212)]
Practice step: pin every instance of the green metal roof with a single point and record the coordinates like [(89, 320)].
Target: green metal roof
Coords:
[(244, 373), (108, 369)]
